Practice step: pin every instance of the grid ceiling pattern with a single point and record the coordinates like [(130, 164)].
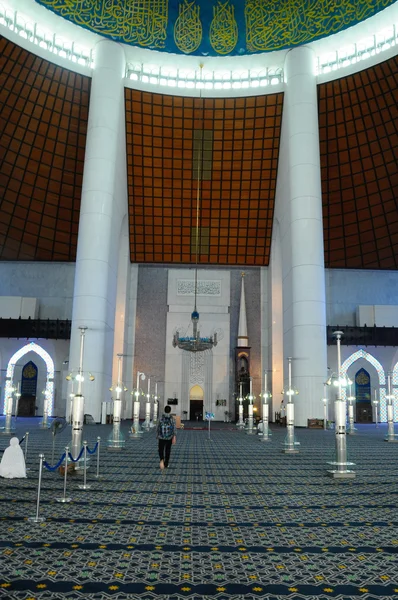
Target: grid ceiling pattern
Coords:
[(236, 203), (43, 124), (358, 119)]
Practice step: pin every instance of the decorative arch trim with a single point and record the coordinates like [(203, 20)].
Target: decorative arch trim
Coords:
[(49, 390), (361, 353), (373, 361)]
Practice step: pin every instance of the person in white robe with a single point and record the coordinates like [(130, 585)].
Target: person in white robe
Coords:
[(12, 464)]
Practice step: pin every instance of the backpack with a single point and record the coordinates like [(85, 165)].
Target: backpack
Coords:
[(166, 427)]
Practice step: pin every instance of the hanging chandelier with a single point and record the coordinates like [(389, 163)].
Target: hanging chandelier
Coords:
[(195, 343)]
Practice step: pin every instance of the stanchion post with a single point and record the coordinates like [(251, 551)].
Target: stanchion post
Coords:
[(36, 518), (26, 449), (64, 498), (97, 475), (85, 486)]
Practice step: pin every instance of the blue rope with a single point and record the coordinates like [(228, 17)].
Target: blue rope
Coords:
[(93, 450), (78, 458), (55, 467)]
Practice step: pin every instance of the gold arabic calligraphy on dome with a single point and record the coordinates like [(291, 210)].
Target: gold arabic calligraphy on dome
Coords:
[(216, 27)]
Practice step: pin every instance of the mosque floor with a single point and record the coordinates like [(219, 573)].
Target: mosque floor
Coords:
[(232, 517)]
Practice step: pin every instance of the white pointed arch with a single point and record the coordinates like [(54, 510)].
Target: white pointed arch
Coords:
[(395, 390), (395, 375), (48, 392), (361, 353)]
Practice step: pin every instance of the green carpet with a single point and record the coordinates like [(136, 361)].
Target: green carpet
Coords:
[(231, 518)]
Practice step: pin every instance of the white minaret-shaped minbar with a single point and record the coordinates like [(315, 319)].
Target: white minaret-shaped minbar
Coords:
[(243, 357), (299, 212), (103, 206), (243, 338)]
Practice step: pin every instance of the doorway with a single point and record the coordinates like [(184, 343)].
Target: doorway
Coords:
[(27, 401), (363, 397), (196, 403)]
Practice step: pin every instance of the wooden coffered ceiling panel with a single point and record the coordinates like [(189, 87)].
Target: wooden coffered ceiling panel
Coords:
[(359, 151), (238, 189), (43, 124)]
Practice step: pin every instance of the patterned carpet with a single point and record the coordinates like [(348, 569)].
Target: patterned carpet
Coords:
[(231, 518)]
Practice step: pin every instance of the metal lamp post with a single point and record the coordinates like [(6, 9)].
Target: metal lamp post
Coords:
[(375, 406), (136, 430), (250, 409), (240, 423), (116, 440), (147, 423), (391, 435), (265, 436), (325, 401), (351, 403), (78, 403), (340, 465), (291, 446), (155, 405), (17, 397), (9, 402)]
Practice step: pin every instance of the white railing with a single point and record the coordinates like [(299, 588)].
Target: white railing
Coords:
[(45, 39), (192, 78), (207, 80), (357, 52)]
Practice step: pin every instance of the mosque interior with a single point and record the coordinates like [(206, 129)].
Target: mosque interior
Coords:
[(198, 209)]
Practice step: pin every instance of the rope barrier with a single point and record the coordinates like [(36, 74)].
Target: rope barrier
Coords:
[(78, 458), (93, 450), (66, 455), (61, 460), (55, 467)]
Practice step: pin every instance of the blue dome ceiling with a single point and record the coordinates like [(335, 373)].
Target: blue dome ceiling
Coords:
[(215, 27)]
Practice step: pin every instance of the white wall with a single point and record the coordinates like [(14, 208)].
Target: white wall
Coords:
[(214, 314), (59, 352), (51, 283), (348, 288)]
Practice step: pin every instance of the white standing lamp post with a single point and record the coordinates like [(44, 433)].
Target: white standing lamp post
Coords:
[(78, 403), (240, 423), (136, 431), (147, 423), (265, 435), (375, 407), (391, 435), (9, 403), (291, 446), (351, 406), (17, 397), (340, 466), (44, 422), (116, 440), (250, 420), (325, 402), (155, 405)]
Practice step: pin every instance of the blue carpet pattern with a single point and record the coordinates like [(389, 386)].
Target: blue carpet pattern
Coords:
[(231, 518)]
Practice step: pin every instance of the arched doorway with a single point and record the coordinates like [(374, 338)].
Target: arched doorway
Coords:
[(363, 396), (196, 403), (27, 401), (380, 374), (49, 389)]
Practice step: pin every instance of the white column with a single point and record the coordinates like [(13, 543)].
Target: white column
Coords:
[(275, 320), (103, 206), (302, 235)]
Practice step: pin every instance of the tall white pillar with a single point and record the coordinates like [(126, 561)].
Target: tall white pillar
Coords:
[(302, 235), (103, 206), (275, 320)]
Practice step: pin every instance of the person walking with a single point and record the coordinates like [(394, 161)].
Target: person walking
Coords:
[(166, 436)]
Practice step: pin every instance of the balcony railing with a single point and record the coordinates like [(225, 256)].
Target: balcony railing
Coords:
[(59, 329), (364, 336), (50, 329)]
